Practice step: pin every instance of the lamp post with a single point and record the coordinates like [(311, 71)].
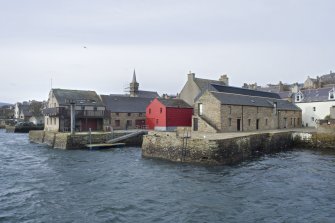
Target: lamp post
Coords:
[(73, 116)]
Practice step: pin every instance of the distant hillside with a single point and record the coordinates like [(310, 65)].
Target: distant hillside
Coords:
[(3, 103)]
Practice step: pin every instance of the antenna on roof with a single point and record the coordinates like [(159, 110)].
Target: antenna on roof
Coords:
[(51, 83)]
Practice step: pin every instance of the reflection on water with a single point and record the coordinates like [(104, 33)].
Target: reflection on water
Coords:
[(39, 184)]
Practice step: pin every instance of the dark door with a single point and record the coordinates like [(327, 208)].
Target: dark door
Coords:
[(238, 124), (257, 124), (195, 124)]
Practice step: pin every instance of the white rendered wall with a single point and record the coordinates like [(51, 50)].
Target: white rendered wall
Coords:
[(322, 109)]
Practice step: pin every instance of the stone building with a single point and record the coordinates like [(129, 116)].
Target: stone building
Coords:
[(90, 112), (240, 110), (312, 83), (126, 112), (194, 87)]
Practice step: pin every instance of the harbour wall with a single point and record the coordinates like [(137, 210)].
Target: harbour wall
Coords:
[(78, 141), (169, 146)]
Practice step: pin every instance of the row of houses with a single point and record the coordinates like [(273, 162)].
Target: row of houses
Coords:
[(206, 105), (315, 97)]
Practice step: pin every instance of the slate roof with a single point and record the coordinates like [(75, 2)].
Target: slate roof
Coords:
[(244, 91), (205, 84), (120, 103), (147, 94), (247, 100), (81, 97), (314, 95), (285, 94), (174, 103)]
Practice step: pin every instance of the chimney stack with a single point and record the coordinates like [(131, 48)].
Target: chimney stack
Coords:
[(224, 78), (191, 75)]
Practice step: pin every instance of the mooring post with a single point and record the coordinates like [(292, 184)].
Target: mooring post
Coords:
[(73, 118)]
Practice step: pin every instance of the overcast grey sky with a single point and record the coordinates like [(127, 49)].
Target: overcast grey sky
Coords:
[(261, 41)]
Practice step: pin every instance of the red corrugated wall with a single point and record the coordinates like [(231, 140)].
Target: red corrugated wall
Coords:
[(168, 117), (179, 116)]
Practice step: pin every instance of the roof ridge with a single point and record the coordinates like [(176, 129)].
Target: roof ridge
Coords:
[(246, 95)]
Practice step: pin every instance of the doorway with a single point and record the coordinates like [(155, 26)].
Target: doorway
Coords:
[(238, 124), (257, 124), (195, 124)]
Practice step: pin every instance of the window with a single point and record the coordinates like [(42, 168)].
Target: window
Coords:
[(140, 114), (312, 118), (314, 109), (332, 94), (157, 121), (117, 123), (299, 97), (229, 121), (95, 109), (249, 122), (266, 121), (82, 107), (200, 108), (54, 121), (47, 121), (54, 105), (129, 114), (230, 109), (117, 114), (161, 110), (149, 110)]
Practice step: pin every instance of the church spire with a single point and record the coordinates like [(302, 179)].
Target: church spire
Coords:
[(133, 86), (134, 77)]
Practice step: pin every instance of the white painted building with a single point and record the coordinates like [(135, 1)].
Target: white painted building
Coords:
[(315, 104)]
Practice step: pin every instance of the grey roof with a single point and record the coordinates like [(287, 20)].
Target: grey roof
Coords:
[(314, 95), (147, 94), (285, 94), (80, 97), (205, 84), (244, 91), (120, 103), (174, 103), (247, 100)]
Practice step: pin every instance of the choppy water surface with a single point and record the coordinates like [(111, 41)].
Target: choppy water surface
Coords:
[(38, 184)]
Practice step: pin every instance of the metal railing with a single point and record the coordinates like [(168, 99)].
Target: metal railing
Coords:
[(65, 112)]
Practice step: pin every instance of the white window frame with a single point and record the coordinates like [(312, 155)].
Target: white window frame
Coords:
[(299, 97), (200, 109)]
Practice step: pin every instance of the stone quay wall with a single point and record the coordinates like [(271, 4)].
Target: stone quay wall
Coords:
[(77, 141), (168, 146)]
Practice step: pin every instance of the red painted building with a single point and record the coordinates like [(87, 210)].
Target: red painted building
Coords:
[(167, 114)]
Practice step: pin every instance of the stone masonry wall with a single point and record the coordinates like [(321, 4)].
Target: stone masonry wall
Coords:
[(226, 151), (211, 110), (123, 117), (78, 141)]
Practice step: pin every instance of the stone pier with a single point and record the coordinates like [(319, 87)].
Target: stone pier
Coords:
[(229, 148)]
